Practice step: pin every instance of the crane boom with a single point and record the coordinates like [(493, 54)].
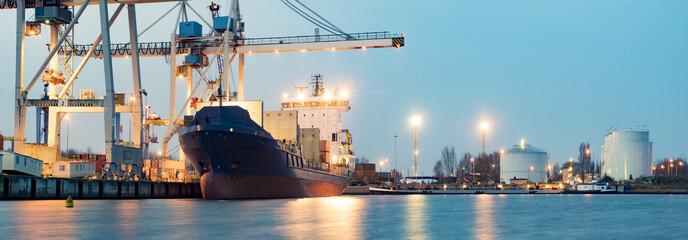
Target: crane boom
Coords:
[(259, 45)]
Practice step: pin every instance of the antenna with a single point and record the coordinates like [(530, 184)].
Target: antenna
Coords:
[(318, 84)]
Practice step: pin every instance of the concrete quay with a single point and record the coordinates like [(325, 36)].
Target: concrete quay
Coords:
[(37, 188)]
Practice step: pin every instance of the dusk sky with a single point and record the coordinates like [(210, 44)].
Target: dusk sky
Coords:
[(556, 73)]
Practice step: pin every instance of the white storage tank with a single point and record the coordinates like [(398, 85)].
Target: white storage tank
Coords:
[(627, 154), (524, 162)]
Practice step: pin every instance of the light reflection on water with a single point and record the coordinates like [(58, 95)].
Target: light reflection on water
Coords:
[(484, 217), (354, 217), (329, 218), (415, 217)]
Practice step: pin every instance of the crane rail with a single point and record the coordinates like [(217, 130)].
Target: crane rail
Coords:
[(163, 48)]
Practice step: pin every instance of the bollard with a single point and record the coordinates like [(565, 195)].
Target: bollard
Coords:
[(70, 202)]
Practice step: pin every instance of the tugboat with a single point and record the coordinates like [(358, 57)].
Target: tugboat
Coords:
[(239, 158)]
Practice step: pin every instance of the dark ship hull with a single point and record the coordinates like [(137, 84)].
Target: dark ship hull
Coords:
[(238, 159)]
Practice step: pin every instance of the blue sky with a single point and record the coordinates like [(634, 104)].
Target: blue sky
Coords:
[(556, 73)]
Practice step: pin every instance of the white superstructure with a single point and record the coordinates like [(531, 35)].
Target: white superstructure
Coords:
[(524, 162), (627, 154), (322, 109)]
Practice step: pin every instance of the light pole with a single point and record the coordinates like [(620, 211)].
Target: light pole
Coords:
[(472, 171), (529, 169), (67, 118), (416, 122), (671, 164), (395, 154), (662, 167), (132, 100), (389, 172), (484, 127), (571, 170)]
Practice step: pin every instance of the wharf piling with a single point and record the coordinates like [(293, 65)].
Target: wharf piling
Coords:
[(37, 188)]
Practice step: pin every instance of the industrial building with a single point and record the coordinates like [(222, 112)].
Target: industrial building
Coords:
[(627, 154), (365, 173), (524, 162), (17, 164)]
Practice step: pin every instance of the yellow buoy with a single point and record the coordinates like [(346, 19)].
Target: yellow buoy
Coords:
[(70, 202)]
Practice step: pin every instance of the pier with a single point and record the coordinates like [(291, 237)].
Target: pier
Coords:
[(38, 188)]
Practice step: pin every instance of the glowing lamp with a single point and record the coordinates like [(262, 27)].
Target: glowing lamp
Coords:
[(484, 126), (345, 94), (33, 29), (415, 120), (182, 70)]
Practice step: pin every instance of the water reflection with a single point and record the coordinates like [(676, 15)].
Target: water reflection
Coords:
[(127, 218), (322, 218), (485, 227), (30, 220), (416, 219)]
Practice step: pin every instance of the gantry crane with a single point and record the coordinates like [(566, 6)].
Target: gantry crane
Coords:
[(227, 42)]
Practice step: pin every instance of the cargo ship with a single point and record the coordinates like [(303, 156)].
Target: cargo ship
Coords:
[(290, 153)]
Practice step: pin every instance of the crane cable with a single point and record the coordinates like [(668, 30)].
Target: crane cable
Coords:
[(327, 26), (308, 17), (318, 15)]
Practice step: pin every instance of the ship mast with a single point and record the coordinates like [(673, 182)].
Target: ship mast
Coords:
[(318, 84)]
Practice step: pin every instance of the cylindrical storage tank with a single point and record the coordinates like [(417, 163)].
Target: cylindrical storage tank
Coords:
[(627, 154), (524, 162)]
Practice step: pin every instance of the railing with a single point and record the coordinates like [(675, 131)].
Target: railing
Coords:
[(319, 38), (9, 4), (163, 48), (149, 48)]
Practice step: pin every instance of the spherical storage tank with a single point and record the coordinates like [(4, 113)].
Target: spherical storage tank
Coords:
[(525, 162), (627, 154)]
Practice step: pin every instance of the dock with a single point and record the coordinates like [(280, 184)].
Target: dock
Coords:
[(14, 187)]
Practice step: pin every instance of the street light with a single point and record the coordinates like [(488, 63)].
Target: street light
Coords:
[(388, 171), (472, 171), (395, 156), (671, 164), (484, 126), (415, 121), (67, 118), (529, 169)]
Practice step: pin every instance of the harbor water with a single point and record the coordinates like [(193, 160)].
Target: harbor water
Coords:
[(354, 217)]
